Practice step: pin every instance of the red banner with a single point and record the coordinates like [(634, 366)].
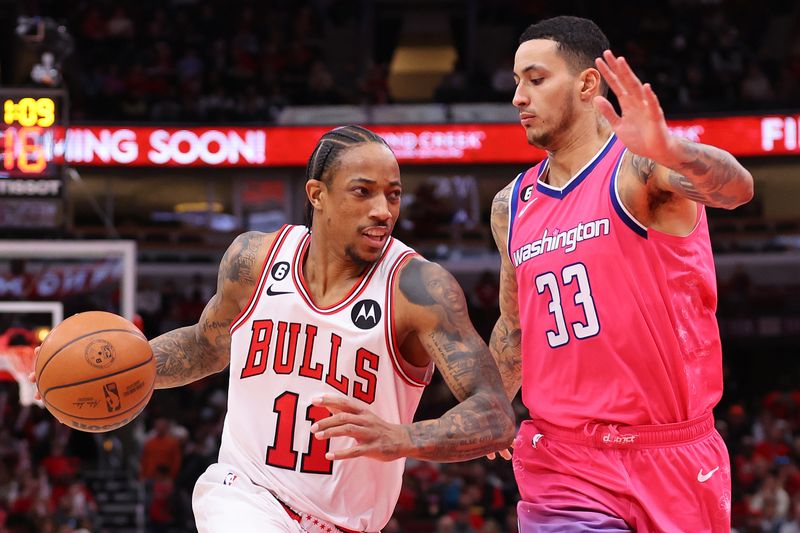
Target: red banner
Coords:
[(416, 144)]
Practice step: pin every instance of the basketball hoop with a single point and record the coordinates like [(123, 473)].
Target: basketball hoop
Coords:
[(16, 363)]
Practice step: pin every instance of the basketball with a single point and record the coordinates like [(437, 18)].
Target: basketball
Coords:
[(95, 371)]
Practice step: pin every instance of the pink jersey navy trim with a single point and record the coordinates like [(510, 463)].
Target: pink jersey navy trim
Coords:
[(512, 208), (622, 212), (559, 194), (516, 192)]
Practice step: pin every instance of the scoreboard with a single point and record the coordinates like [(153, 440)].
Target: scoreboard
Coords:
[(31, 183), (31, 120)]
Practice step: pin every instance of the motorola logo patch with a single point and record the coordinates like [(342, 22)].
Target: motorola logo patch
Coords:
[(366, 314), (525, 194), (279, 270)]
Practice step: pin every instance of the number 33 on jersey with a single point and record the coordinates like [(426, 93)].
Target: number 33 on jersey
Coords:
[(603, 298)]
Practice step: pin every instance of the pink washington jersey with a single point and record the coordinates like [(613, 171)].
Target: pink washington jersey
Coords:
[(285, 351), (618, 320)]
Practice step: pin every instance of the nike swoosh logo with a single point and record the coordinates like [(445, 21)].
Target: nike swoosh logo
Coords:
[(702, 478), (527, 206), (270, 292)]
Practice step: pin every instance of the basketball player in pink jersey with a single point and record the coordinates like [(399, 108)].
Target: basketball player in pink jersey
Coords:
[(341, 318), (608, 298)]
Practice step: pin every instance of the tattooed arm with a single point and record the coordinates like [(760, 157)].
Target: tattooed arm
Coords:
[(698, 172), (431, 313), (665, 162), (507, 333), (484, 421), (187, 354)]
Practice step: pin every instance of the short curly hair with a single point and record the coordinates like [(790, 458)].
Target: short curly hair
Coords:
[(577, 39)]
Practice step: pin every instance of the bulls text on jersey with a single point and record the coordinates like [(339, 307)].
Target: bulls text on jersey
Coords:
[(269, 338)]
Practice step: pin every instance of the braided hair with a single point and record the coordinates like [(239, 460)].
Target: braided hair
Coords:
[(325, 157)]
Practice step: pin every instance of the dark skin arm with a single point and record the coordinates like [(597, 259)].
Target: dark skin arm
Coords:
[(193, 352), (431, 313)]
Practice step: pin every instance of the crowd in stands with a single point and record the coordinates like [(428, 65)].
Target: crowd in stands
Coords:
[(240, 60)]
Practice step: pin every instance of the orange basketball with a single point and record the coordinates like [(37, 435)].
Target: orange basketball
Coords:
[(95, 371)]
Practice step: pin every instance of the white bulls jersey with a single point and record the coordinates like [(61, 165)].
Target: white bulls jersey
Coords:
[(285, 351)]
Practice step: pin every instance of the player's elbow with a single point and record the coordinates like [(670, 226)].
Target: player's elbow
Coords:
[(748, 188), (744, 191)]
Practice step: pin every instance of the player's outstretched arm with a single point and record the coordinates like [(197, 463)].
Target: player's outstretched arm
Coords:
[(695, 171), (483, 421), (187, 354), (507, 334)]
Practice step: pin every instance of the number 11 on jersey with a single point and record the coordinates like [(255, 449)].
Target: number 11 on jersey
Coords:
[(281, 454), (583, 297)]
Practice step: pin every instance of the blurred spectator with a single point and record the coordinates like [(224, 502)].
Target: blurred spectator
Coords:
[(700, 56), (160, 449), (160, 508), (771, 502)]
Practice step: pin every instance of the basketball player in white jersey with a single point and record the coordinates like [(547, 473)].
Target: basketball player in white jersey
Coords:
[(335, 318)]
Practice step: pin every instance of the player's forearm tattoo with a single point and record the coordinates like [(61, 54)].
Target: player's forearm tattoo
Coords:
[(483, 421), (183, 355), (710, 176), (191, 353), (475, 427), (704, 174)]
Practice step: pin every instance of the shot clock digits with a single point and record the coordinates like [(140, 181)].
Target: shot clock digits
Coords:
[(29, 112), (28, 129)]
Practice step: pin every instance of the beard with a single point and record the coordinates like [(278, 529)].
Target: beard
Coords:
[(543, 139), (351, 254)]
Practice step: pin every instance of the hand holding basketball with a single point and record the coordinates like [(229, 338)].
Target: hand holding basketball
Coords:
[(95, 371)]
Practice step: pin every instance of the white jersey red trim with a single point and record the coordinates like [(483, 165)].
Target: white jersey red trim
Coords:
[(274, 248), (285, 351)]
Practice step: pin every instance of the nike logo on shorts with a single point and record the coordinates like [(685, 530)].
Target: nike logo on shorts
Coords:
[(702, 478), (270, 292)]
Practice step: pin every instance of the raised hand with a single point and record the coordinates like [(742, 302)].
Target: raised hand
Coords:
[(374, 437), (642, 127)]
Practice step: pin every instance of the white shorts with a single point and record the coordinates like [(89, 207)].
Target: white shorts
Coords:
[(224, 500)]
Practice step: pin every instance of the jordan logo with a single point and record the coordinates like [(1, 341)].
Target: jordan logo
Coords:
[(702, 478)]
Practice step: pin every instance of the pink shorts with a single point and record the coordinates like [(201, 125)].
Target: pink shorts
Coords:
[(670, 478)]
